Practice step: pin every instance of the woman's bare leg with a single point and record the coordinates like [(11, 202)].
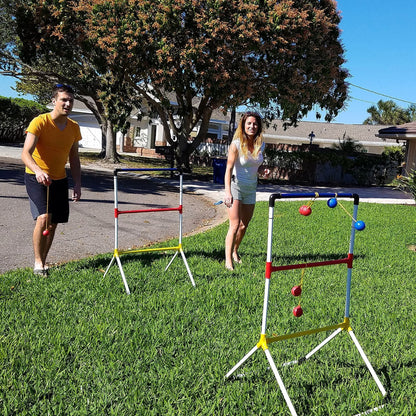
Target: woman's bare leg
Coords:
[(234, 221), (246, 214)]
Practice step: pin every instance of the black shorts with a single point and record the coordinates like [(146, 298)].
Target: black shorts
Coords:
[(58, 198)]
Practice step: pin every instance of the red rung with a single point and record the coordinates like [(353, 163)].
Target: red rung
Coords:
[(150, 210), (346, 260)]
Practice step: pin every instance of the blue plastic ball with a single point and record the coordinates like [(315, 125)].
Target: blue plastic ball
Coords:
[(359, 225), (332, 203)]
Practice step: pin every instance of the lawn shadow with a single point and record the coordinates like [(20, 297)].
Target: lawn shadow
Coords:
[(144, 259), (218, 254)]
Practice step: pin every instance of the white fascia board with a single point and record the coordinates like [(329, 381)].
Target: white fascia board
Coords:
[(397, 136), (270, 138)]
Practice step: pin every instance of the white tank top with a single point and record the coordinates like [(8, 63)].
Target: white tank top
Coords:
[(245, 170)]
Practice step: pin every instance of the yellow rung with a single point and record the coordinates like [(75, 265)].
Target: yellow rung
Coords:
[(143, 250), (344, 325)]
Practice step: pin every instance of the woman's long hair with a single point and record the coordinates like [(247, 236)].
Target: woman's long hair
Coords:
[(242, 136)]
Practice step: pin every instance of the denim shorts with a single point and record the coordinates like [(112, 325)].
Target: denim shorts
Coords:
[(58, 204)]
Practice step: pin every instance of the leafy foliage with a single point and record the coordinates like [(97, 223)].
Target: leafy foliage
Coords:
[(349, 146), (389, 113), (344, 164), (186, 58), (408, 183), (15, 115)]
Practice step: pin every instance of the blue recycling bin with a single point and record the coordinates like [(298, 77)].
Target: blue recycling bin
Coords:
[(219, 166)]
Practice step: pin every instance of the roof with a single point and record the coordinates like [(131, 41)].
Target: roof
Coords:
[(402, 131), (325, 132)]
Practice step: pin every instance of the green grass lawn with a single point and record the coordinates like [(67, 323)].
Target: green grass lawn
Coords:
[(76, 344)]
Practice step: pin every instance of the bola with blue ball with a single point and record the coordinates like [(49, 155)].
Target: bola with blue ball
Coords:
[(359, 225), (332, 203)]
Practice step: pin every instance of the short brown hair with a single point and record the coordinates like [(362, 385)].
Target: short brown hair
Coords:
[(62, 88)]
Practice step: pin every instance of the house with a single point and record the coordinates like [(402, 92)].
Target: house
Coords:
[(90, 129), (146, 134), (405, 132), (327, 134)]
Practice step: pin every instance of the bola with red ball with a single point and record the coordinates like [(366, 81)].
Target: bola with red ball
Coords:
[(296, 290), (297, 311), (305, 210), (46, 230)]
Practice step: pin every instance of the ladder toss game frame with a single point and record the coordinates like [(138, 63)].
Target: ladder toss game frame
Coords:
[(336, 328), (117, 212)]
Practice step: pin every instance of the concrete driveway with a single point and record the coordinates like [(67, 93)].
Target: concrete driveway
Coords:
[(90, 229)]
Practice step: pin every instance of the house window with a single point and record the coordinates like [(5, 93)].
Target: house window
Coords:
[(136, 136)]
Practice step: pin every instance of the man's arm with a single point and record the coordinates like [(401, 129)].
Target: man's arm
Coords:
[(75, 166), (27, 158)]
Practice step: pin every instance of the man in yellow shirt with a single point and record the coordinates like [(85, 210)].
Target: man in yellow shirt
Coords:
[(51, 139)]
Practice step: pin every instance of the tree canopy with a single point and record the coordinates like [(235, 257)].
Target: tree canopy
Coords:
[(389, 113), (186, 58), (15, 116)]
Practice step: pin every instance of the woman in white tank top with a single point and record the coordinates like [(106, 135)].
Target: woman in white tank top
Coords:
[(244, 158)]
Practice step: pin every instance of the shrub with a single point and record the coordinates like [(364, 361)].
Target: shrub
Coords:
[(408, 183), (15, 116)]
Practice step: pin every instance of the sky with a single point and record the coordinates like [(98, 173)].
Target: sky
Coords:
[(379, 42)]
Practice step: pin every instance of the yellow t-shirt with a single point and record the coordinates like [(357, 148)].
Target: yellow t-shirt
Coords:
[(53, 146)]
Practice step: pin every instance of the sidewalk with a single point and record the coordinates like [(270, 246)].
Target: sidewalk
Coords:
[(377, 195), (215, 192)]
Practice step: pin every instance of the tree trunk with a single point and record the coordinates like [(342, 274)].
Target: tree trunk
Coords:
[(110, 150), (186, 147), (182, 154)]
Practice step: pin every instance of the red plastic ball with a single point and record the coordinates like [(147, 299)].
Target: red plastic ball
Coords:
[(296, 290), (297, 311), (305, 210)]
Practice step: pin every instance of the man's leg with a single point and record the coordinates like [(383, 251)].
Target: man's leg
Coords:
[(42, 243)]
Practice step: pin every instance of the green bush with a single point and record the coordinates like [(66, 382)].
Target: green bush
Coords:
[(350, 166), (15, 116), (408, 183)]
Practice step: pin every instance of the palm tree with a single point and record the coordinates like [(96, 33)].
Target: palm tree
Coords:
[(389, 113), (349, 146)]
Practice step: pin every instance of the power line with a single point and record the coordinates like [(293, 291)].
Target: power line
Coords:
[(378, 93), (364, 101)]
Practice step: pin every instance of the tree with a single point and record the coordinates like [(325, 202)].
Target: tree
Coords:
[(188, 57), (38, 56), (389, 113), (15, 116), (349, 146)]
